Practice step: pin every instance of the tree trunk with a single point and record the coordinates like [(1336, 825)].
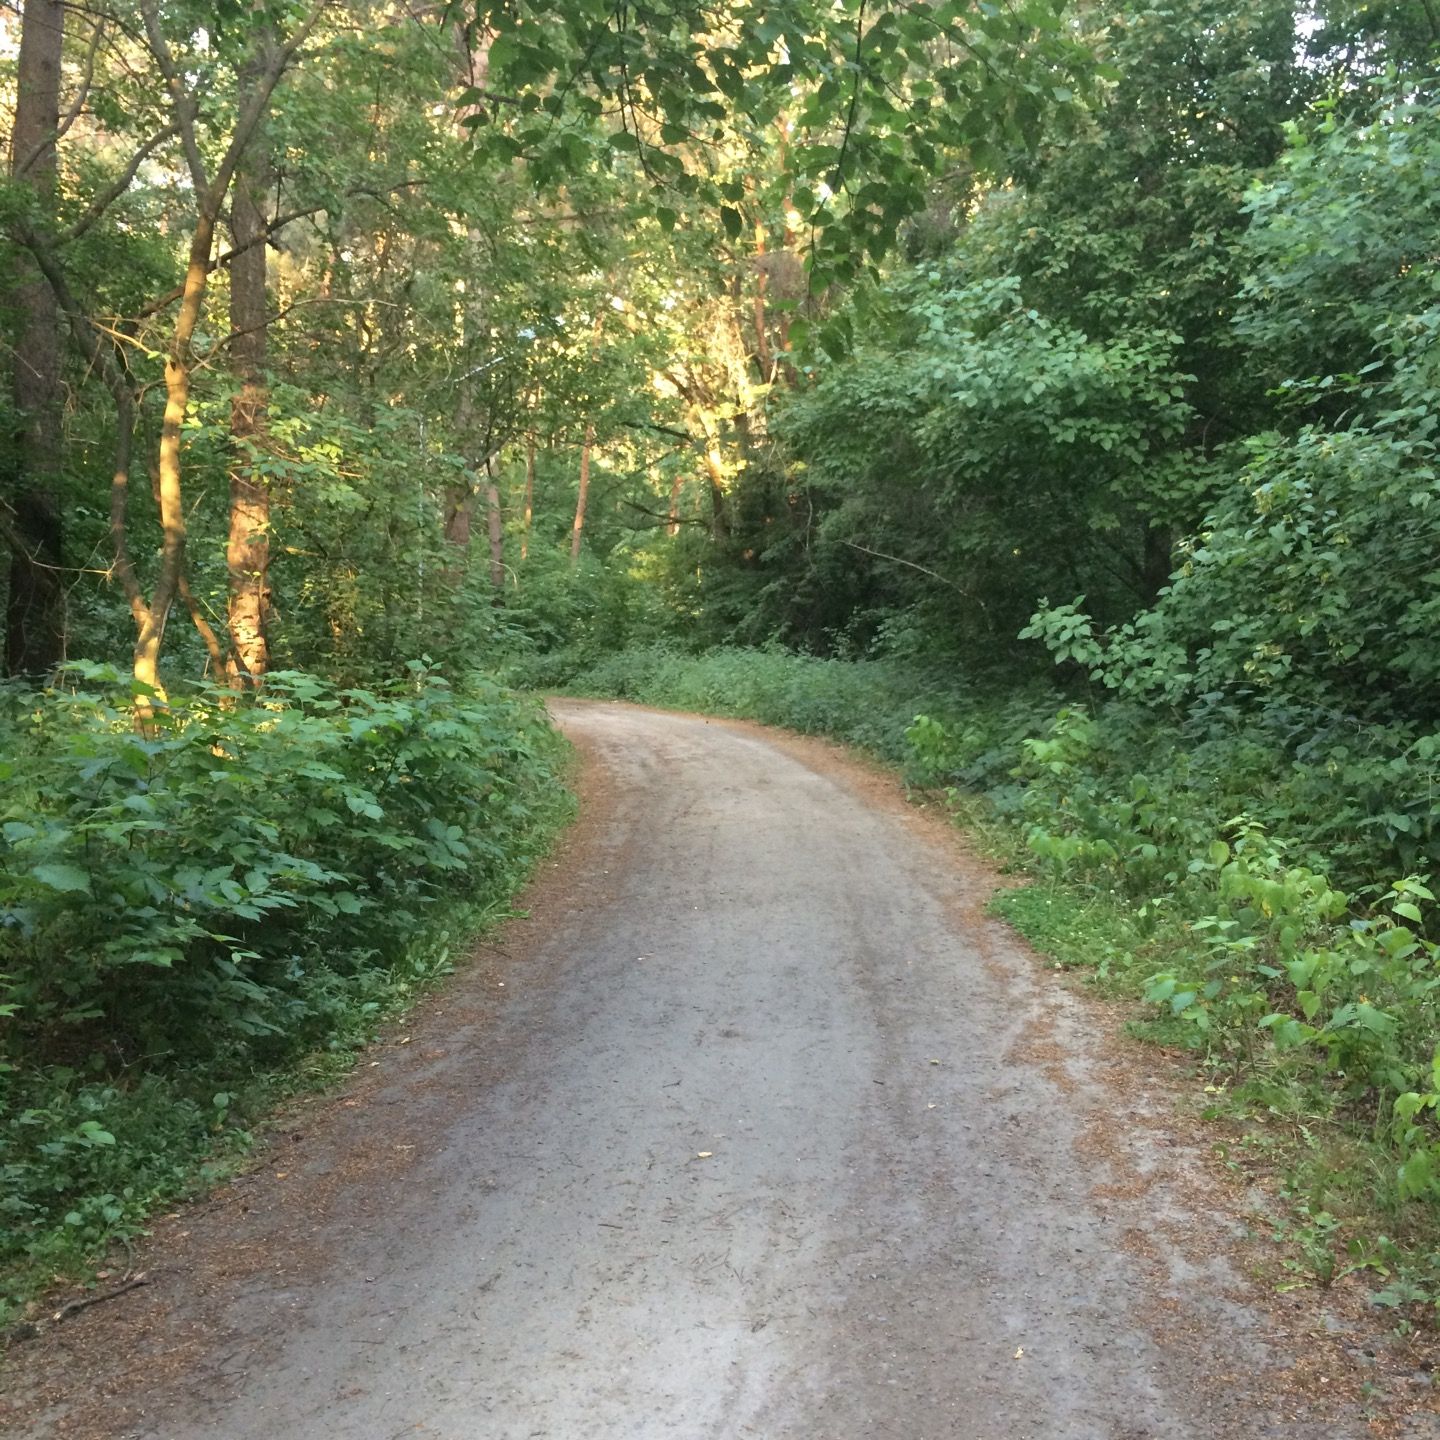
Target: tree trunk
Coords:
[(35, 610), (529, 496), (459, 506), (677, 485), (270, 64), (497, 531), (715, 471), (151, 638), (763, 360), (247, 547), (474, 68), (579, 527)]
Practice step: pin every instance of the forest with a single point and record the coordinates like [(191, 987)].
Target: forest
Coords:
[(1041, 396)]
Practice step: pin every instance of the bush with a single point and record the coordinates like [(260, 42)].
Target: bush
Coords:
[(191, 904), (867, 703)]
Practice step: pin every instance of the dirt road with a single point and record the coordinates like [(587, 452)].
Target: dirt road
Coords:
[(757, 1129)]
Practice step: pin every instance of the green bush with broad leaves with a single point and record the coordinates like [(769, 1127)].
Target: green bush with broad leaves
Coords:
[(188, 904)]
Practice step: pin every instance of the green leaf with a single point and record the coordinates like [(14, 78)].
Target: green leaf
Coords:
[(91, 1132), (66, 878)]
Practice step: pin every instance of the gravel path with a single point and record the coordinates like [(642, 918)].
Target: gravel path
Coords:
[(758, 1128)]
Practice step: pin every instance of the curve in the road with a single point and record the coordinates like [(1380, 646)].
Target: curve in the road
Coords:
[(774, 1136)]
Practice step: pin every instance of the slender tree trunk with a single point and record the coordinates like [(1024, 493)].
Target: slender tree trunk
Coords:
[(578, 529), (762, 339), (151, 638), (247, 547), (460, 499), (788, 246), (210, 191), (496, 521), (715, 471), (529, 496), (474, 68), (677, 485), (35, 610)]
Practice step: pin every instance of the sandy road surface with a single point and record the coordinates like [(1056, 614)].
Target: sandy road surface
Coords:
[(767, 1132)]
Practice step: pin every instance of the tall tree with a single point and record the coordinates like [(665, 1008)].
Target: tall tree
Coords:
[(35, 611), (582, 495), (272, 59), (247, 548)]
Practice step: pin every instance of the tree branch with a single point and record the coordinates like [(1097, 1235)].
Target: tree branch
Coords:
[(117, 187), (76, 105), (898, 560), (664, 519), (854, 99), (182, 103)]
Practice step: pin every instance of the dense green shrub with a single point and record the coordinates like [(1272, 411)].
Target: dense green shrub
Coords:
[(867, 703), (188, 904)]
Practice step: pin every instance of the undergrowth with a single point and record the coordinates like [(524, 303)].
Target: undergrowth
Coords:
[(1264, 893), (201, 915)]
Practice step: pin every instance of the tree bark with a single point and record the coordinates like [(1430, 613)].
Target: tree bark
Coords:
[(247, 546), (677, 485), (151, 638), (35, 608), (578, 529), (763, 360), (715, 472), (270, 64), (497, 531), (529, 495), (458, 510)]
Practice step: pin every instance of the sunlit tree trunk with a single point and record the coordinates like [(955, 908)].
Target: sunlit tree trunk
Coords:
[(677, 486), (35, 611), (529, 496), (151, 638), (715, 473), (473, 54), (578, 529), (104, 357), (247, 547), (210, 194)]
